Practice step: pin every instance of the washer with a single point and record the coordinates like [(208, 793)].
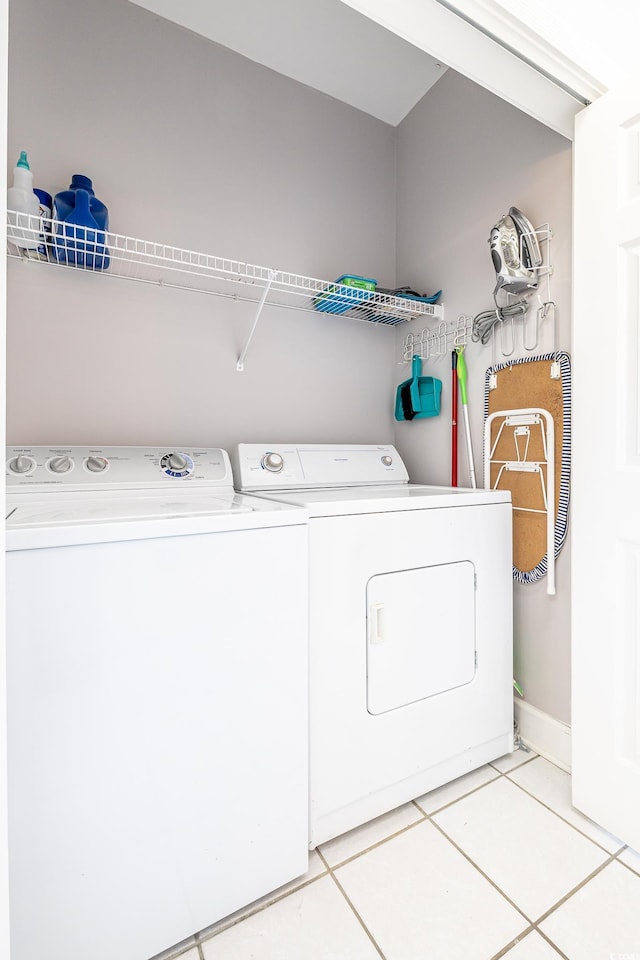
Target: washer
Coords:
[(157, 698), (410, 625)]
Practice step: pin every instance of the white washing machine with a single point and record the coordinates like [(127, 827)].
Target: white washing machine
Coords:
[(410, 596), (157, 685)]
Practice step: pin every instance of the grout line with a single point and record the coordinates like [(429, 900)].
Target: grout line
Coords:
[(574, 890), (200, 951), (635, 872), (505, 773), (542, 934), (324, 859), (351, 906), (373, 846), (177, 950), (225, 923), (409, 826), (462, 796), (481, 872), (564, 820), (513, 943), (534, 924)]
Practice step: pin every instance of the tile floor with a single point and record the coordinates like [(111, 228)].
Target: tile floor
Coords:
[(495, 864)]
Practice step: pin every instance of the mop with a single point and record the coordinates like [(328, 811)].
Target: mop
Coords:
[(462, 379), (454, 419)]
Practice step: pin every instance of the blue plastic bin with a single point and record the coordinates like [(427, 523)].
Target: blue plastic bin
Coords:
[(348, 291)]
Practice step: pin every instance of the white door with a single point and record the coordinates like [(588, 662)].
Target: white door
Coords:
[(606, 465)]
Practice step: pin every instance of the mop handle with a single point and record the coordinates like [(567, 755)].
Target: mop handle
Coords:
[(472, 472), (462, 377), (454, 419)]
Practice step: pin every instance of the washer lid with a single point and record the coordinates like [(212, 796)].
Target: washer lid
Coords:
[(328, 502), (65, 521), (58, 511)]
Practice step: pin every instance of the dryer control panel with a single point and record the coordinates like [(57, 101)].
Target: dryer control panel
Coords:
[(287, 466), (114, 468)]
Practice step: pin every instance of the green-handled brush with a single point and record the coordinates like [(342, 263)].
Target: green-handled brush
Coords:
[(462, 380)]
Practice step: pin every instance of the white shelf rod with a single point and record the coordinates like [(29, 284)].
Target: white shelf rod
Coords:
[(265, 293)]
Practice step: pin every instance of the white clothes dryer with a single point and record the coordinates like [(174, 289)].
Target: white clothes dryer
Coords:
[(410, 596), (157, 698)]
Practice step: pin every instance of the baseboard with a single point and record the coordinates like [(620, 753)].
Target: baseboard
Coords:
[(544, 734)]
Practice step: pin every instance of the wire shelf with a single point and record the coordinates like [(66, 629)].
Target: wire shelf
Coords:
[(34, 239)]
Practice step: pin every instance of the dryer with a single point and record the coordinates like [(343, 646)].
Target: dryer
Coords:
[(410, 624), (157, 697)]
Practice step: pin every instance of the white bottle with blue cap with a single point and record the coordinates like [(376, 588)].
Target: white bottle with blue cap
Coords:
[(23, 208)]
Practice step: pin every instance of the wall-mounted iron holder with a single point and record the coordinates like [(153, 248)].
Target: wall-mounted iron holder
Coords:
[(532, 319)]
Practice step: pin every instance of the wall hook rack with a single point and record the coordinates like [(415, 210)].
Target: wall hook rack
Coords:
[(434, 342)]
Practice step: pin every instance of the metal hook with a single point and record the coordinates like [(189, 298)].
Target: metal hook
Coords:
[(407, 348), (460, 333), (507, 353), (538, 315)]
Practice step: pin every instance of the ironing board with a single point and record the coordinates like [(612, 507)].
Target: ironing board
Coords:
[(537, 475)]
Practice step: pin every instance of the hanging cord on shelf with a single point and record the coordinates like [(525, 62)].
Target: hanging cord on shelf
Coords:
[(483, 323)]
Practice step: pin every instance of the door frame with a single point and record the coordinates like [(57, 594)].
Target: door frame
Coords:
[(496, 51)]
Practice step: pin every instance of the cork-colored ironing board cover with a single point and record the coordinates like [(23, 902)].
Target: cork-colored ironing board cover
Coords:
[(523, 384)]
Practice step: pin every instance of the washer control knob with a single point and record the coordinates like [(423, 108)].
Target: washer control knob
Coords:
[(272, 462), (96, 464), (60, 464), (21, 464), (176, 465), (176, 461), (387, 460)]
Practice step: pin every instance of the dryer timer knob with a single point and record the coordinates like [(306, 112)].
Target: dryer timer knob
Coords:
[(272, 462), (60, 464), (21, 464), (387, 460), (96, 464)]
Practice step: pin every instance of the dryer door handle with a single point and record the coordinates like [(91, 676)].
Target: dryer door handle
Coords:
[(376, 623)]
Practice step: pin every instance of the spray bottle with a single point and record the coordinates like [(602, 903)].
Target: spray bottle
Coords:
[(24, 207)]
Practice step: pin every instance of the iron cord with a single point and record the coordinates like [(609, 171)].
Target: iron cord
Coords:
[(483, 323)]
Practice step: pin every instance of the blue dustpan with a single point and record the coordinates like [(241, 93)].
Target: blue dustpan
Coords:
[(408, 393), (418, 397)]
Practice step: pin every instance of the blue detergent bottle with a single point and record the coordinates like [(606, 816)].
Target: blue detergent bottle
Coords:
[(80, 224)]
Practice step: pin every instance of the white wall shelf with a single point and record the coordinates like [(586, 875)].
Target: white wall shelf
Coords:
[(149, 262)]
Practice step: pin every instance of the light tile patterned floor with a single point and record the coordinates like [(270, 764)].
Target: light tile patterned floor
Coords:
[(496, 864)]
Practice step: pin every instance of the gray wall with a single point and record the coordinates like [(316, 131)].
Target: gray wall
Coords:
[(194, 146), (191, 145), (465, 157)]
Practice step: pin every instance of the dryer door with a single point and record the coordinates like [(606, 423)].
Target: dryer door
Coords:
[(420, 634)]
